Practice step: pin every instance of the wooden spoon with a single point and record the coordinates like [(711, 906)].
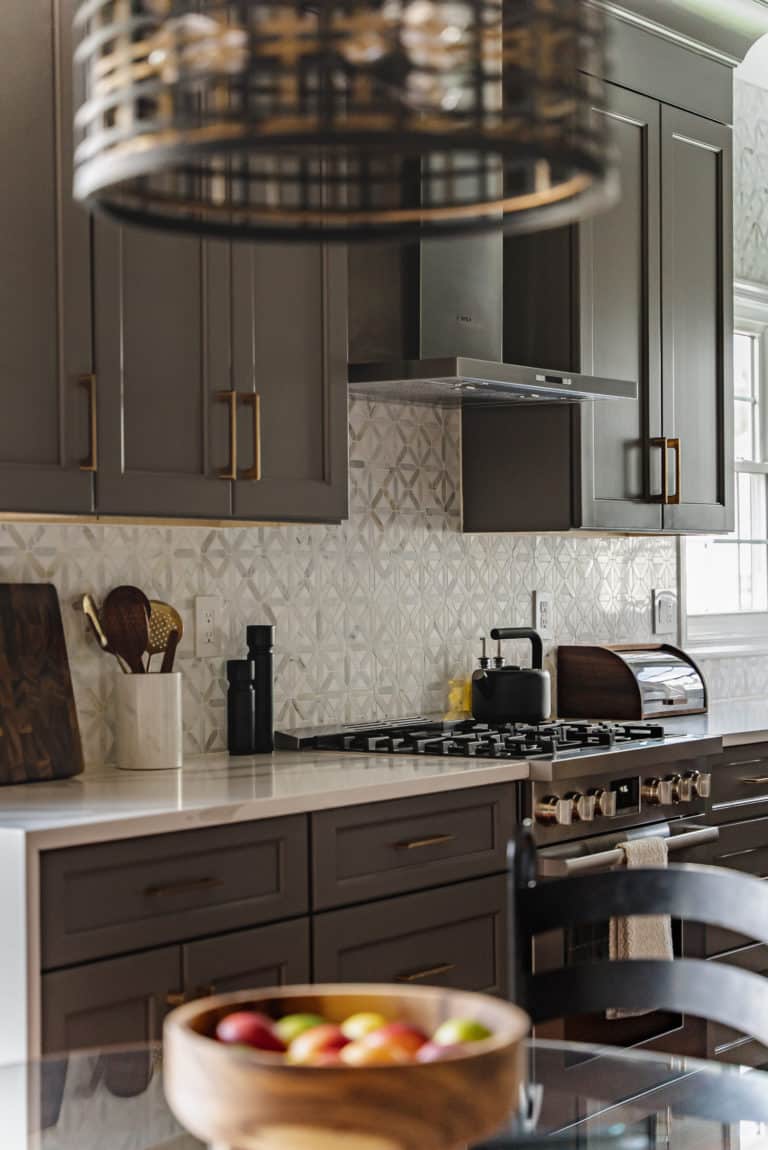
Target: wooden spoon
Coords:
[(170, 653), (125, 619)]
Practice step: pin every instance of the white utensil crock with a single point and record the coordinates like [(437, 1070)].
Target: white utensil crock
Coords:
[(149, 727)]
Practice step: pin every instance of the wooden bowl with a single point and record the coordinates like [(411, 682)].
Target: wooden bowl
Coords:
[(250, 1100)]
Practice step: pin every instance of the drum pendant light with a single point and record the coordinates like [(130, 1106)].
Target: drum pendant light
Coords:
[(341, 119)]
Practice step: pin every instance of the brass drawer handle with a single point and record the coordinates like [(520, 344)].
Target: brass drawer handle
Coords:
[(417, 844), (175, 998), (230, 398), (431, 972), (758, 781), (92, 462), (254, 400), (186, 886), (666, 445)]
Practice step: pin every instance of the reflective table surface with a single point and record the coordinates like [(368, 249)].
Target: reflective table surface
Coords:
[(578, 1098)]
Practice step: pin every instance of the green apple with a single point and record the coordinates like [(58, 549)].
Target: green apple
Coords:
[(290, 1026), (454, 1031), (358, 1025)]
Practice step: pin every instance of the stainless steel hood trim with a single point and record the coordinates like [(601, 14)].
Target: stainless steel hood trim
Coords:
[(457, 380)]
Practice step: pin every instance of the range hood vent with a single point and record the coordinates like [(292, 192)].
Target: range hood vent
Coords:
[(426, 326)]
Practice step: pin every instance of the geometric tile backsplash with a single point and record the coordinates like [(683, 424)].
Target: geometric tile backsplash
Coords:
[(373, 616)]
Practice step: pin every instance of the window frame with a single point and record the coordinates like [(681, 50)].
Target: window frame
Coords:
[(742, 630)]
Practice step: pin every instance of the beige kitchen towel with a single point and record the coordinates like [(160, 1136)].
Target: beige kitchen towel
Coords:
[(648, 936)]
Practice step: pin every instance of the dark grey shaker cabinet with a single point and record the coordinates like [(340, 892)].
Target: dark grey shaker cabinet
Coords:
[(289, 351), (697, 297), (266, 956), (121, 1001), (162, 314), (45, 331)]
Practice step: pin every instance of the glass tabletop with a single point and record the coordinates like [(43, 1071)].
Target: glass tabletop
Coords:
[(577, 1098)]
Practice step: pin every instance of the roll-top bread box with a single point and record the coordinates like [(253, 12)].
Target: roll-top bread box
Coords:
[(642, 681)]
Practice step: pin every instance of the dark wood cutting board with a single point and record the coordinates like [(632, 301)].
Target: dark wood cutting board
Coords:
[(39, 735)]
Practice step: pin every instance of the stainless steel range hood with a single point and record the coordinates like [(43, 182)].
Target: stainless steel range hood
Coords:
[(427, 326), (456, 380)]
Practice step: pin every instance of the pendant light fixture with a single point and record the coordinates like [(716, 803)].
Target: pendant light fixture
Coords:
[(341, 119)]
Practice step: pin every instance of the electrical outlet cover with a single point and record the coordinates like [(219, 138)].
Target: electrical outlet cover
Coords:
[(664, 612), (207, 637), (543, 606)]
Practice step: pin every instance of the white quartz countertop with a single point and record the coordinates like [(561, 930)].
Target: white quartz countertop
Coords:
[(737, 723), (105, 803)]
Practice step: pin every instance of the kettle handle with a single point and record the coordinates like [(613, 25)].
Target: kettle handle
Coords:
[(537, 655)]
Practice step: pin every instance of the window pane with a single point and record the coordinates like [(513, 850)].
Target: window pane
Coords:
[(744, 364), (752, 576), (713, 576), (751, 507), (744, 429)]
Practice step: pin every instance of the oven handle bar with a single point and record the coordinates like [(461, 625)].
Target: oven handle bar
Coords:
[(558, 867)]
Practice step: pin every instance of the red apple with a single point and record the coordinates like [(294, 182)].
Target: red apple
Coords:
[(362, 1053), (434, 1052), (249, 1028), (398, 1035), (324, 1039)]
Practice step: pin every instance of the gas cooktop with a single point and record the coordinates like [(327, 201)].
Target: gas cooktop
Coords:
[(466, 738)]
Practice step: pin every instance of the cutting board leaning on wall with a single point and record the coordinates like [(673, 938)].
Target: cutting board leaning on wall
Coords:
[(39, 735)]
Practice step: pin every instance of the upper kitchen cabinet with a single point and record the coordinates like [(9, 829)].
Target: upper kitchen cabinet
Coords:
[(697, 320), (642, 292), (46, 449), (289, 345), (162, 323)]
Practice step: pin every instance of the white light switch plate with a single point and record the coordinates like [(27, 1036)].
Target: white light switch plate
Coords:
[(664, 612), (543, 607), (207, 627)]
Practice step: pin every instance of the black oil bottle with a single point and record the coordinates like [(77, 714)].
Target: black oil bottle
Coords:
[(241, 707), (261, 638)]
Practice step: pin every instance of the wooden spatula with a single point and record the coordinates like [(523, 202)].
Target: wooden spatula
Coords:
[(125, 619)]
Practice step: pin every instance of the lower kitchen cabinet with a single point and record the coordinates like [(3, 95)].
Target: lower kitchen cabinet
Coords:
[(121, 1001), (267, 956), (453, 936)]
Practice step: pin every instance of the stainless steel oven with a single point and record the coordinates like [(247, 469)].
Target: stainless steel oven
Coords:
[(688, 840)]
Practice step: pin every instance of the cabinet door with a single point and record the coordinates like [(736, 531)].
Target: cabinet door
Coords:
[(697, 332), (45, 336), (290, 369), (453, 936), (267, 956), (111, 1003), (161, 307), (620, 321)]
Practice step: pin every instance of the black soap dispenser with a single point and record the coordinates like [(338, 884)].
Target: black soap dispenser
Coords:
[(261, 638)]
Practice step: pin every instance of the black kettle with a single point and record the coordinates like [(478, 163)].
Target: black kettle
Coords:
[(513, 694)]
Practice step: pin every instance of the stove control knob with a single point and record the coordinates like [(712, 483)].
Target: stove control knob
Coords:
[(583, 806), (661, 792), (554, 811), (695, 785), (605, 802)]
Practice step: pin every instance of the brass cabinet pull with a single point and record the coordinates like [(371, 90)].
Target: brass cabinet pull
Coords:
[(431, 972), (665, 446), (92, 461), (758, 781), (254, 473), (674, 445), (175, 998), (417, 844), (186, 886), (230, 398)]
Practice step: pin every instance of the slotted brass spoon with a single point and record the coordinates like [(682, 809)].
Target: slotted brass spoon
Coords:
[(164, 620)]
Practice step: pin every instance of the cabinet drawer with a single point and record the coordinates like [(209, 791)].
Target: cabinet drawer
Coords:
[(137, 893), (266, 956), (455, 936), (740, 783), (365, 852), (725, 1044), (741, 846)]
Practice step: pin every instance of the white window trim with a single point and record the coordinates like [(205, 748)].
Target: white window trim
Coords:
[(733, 634)]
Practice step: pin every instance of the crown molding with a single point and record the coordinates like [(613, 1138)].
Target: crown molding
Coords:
[(712, 28)]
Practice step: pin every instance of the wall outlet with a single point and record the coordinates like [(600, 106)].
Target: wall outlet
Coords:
[(207, 632), (664, 612), (542, 613)]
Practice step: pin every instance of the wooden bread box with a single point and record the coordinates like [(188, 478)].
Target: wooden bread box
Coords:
[(630, 681)]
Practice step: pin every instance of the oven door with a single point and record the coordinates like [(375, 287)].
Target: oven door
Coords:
[(671, 1033)]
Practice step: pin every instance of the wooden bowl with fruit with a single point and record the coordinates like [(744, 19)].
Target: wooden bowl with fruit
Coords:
[(353, 1067)]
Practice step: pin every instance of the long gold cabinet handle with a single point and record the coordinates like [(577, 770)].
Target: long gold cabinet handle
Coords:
[(253, 399), (666, 445), (230, 398), (92, 461), (430, 972)]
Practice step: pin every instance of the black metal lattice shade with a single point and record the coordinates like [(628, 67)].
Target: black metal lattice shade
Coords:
[(341, 118)]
